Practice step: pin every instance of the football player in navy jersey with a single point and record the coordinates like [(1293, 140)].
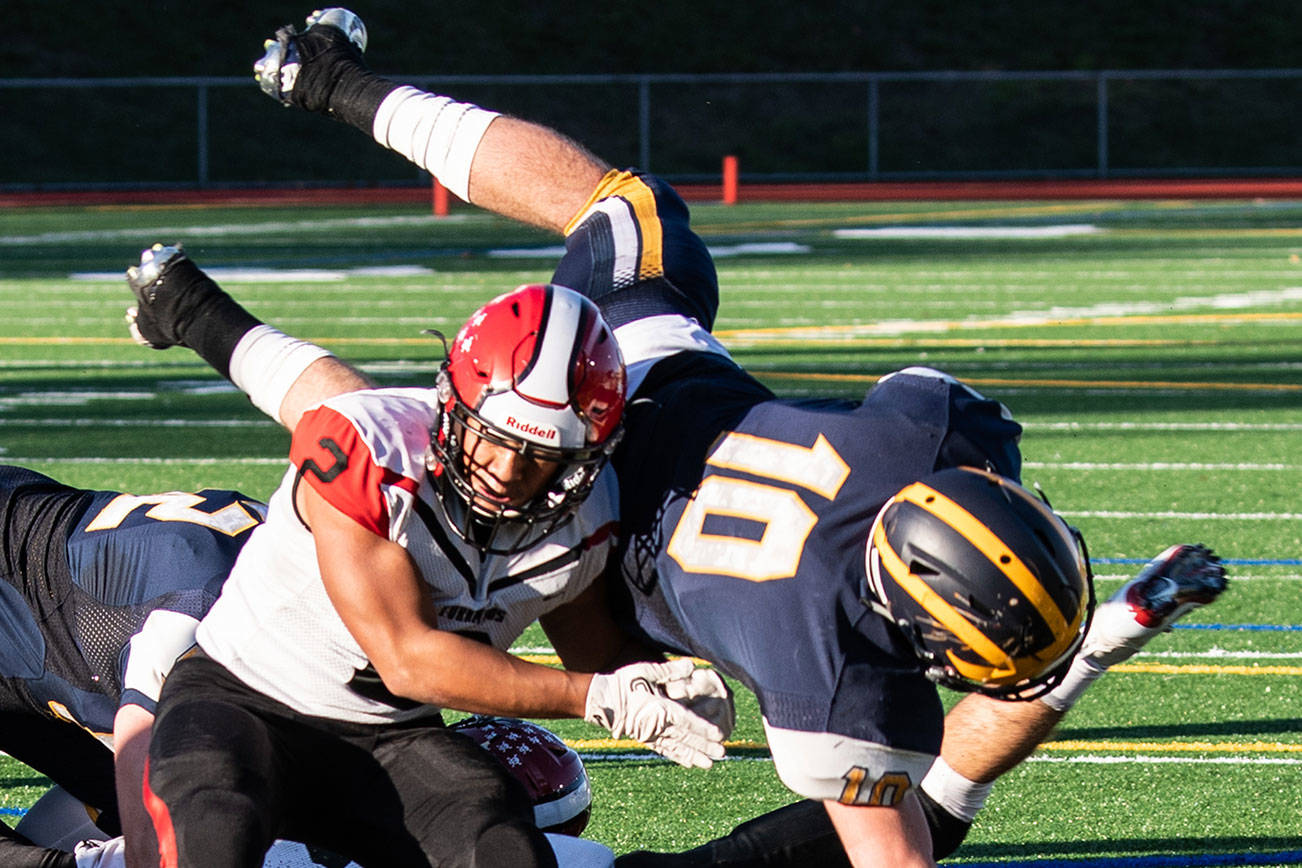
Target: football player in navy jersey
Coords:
[(102, 591), (886, 541)]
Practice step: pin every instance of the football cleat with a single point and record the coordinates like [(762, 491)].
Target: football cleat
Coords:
[(1174, 583), (301, 68), (146, 281)]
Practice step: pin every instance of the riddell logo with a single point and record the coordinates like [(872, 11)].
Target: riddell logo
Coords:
[(540, 431)]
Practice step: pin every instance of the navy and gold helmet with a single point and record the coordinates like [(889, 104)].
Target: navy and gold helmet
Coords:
[(989, 585)]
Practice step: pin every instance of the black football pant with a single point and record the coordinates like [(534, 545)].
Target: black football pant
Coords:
[(796, 836), (230, 770)]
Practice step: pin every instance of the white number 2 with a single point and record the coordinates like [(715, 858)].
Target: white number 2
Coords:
[(232, 519), (785, 518)]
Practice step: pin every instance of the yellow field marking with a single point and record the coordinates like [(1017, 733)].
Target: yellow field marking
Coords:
[(1175, 747), (1086, 207), (1204, 669)]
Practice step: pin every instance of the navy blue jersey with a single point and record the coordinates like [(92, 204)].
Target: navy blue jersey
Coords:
[(746, 518), (84, 571)]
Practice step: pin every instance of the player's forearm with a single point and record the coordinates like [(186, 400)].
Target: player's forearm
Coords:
[(512, 167), (131, 729), (985, 737), (450, 671), (532, 174)]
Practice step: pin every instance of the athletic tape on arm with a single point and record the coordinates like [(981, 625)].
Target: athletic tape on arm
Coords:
[(434, 132), (266, 363)]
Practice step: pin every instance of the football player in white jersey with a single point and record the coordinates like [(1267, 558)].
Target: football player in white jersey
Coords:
[(535, 175), (416, 533)]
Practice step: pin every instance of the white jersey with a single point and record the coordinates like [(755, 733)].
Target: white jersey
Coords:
[(275, 628)]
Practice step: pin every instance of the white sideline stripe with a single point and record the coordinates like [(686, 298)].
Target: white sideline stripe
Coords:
[(253, 229), (138, 423), (1163, 426), (1220, 654), (1199, 516), (15, 459), (1038, 316), (1156, 465), (283, 275), (1168, 760), (969, 231), (758, 247), (722, 251)]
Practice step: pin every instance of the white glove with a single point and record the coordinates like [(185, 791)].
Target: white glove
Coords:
[(706, 694), (101, 854), (649, 702)]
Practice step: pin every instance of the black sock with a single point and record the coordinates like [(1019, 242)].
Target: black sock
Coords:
[(947, 831), (204, 317), (794, 836), (334, 80)]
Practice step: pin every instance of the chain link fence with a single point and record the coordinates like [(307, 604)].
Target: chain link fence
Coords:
[(207, 132)]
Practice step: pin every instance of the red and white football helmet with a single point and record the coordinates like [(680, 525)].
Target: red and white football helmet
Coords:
[(536, 370), (551, 771)]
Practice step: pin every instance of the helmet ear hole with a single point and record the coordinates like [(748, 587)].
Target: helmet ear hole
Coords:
[(922, 569)]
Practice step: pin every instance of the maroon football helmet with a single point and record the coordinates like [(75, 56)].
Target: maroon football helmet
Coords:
[(551, 772), (536, 370)]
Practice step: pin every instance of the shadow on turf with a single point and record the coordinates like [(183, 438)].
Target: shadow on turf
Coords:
[(1135, 847), (32, 780), (1276, 726)]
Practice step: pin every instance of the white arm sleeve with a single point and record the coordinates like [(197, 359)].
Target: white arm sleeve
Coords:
[(435, 133), (163, 638)]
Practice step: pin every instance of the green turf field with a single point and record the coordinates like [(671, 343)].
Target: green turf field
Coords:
[(1152, 350)]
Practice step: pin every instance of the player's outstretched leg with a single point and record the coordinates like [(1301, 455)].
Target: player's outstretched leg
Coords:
[(1174, 583), (178, 305), (321, 69), (1171, 585)]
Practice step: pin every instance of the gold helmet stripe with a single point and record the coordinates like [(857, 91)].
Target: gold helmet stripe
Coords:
[(927, 498), (1002, 665)]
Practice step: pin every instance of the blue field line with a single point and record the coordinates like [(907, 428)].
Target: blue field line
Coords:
[(1244, 628), (13, 812), (1235, 562), (1285, 857)]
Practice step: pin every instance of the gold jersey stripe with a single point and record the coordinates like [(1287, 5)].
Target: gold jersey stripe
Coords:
[(642, 201)]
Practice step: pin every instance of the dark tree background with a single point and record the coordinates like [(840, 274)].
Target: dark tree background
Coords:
[(98, 135)]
